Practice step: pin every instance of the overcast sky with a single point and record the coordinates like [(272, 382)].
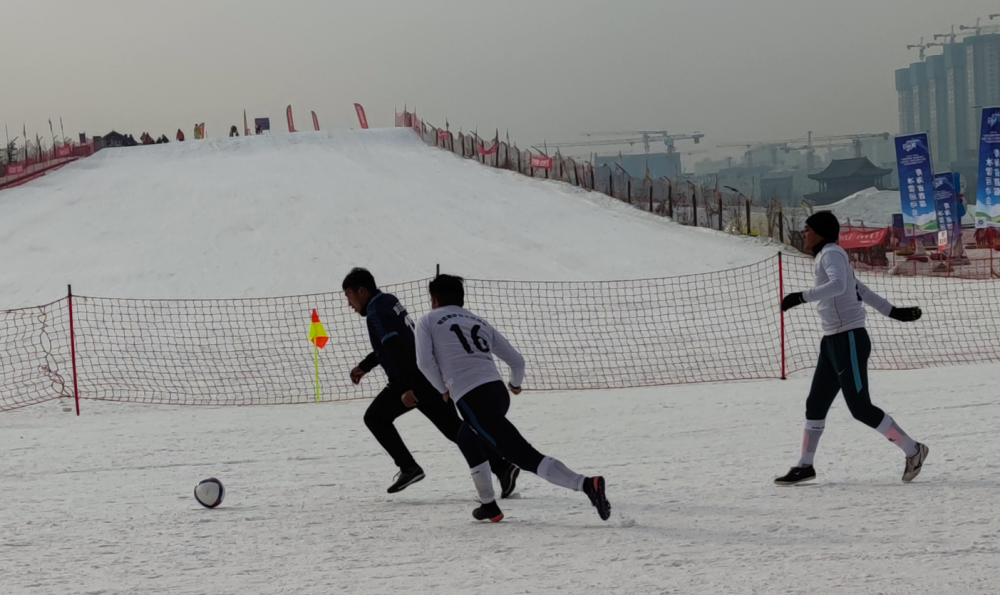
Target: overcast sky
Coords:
[(544, 69)]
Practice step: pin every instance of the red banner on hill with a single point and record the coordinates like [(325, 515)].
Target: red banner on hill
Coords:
[(14, 169), (442, 135), (291, 122), (862, 239), (541, 162), (64, 151), (362, 119), (483, 150)]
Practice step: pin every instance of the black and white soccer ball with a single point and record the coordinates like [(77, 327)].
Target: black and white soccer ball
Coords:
[(209, 492)]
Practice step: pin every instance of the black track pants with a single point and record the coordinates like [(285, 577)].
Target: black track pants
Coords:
[(843, 366), (388, 405), (484, 410)]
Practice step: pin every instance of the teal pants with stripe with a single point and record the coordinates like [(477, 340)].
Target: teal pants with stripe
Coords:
[(843, 366)]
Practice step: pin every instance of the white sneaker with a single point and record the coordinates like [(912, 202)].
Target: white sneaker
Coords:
[(915, 463)]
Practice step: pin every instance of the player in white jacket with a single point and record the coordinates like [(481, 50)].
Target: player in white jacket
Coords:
[(455, 350), (844, 350)]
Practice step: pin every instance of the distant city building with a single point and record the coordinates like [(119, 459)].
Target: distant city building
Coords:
[(778, 186), (844, 177), (661, 165), (944, 96)]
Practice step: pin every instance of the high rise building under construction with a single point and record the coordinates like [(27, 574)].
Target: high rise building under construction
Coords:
[(943, 95)]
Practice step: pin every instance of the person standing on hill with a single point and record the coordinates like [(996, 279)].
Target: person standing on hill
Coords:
[(390, 331), (844, 350)]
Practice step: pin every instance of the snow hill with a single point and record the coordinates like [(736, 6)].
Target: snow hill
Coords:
[(280, 215), (872, 207)]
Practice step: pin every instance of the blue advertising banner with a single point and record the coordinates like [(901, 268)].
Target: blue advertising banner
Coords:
[(916, 184), (949, 218), (261, 124), (988, 183)]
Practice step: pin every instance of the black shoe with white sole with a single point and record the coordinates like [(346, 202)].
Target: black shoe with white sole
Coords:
[(508, 480), (797, 475), (405, 479)]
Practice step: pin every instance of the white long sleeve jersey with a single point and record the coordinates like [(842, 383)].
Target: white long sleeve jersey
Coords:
[(840, 295), (455, 350)]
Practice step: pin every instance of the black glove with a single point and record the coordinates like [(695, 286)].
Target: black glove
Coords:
[(791, 300), (905, 314)]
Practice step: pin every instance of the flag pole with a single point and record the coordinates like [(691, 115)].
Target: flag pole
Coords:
[(316, 362)]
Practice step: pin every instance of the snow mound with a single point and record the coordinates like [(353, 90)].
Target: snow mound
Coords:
[(291, 214), (871, 207)]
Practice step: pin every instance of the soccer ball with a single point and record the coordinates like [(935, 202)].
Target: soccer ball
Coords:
[(209, 492)]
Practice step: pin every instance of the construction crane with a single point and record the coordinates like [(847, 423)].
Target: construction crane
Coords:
[(923, 47), (949, 36), (747, 155), (855, 139), (645, 137), (842, 140), (976, 28), (772, 146)]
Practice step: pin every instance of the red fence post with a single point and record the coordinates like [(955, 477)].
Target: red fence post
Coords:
[(72, 348), (781, 294), (781, 225)]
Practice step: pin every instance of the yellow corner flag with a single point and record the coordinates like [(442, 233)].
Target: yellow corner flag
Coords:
[(317, 336)]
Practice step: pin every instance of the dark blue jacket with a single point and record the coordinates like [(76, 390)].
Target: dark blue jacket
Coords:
[(393, 343)]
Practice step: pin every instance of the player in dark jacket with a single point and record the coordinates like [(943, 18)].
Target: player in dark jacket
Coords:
[(390, 329)]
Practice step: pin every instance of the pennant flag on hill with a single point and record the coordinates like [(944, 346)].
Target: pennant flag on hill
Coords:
[(317, 334)]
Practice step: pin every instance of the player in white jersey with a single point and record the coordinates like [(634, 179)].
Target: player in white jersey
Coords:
[(844, 350), (455, 350)]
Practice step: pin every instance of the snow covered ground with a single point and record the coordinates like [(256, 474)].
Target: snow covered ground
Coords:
[(291, 214), (102, 503)]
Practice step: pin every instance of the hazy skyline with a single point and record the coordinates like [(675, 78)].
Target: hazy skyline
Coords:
[(736, 71)]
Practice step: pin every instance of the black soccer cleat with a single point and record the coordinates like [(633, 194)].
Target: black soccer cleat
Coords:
[(508, 480), (488, 512), (796, 475), (405, 479), (594, 488)]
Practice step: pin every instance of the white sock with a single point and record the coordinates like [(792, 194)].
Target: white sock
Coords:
[(810, 440), (483, 481), (896, 435), (553, 471)]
